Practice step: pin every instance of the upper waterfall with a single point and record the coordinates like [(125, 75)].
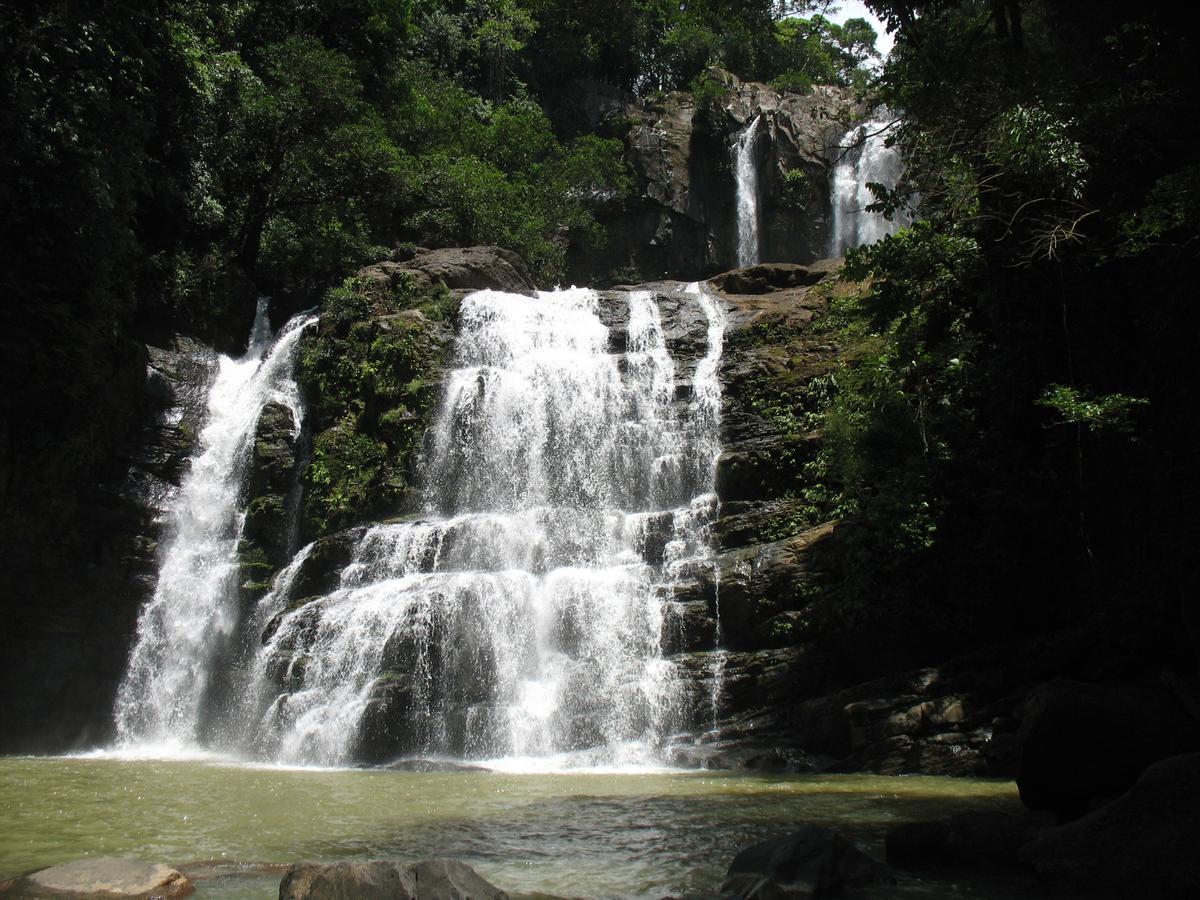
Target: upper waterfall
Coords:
[(568, 478), (187, 625), (864, 159), (746, 171)]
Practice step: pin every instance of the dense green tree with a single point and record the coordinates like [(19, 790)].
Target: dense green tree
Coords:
[(818, 51), (1015, 427)]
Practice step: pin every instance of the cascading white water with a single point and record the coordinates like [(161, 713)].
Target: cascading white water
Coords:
[(523, 617), (189, 621), (708, 406), (865, 158), (746, 173)]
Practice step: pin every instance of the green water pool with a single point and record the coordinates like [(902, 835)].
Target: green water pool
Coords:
[(231, 826)]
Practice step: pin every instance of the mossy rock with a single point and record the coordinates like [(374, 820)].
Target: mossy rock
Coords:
[(372, 374)]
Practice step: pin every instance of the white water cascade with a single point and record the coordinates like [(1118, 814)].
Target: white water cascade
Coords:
[(187, 625), (865, 158), (568, 480), (746, 173)]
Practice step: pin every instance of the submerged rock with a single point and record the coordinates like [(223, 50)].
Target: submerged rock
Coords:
[(105, 876), (810, 862), (429, 879)]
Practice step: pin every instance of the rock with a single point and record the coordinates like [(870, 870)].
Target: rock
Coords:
[(458, 268), (766, 278), (810, 862), (1081, 744), (348, 881), (105, 876), (681, 222), (449, 879), (73, 593), (321, 571), (688, 626), (753, 474), (745, 755), (430, 879), (1143, 844), (273, 477), (982, 840), (747, 589), (936, 721)]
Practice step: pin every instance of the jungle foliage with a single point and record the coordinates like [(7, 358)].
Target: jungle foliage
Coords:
[(165, 162), (1012, 439)]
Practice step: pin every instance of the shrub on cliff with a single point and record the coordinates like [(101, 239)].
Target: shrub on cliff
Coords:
[(371, 375)]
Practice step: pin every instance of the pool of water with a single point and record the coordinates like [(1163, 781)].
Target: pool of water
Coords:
[(231, 826)]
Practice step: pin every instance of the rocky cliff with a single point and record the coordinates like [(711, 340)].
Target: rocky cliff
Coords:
[(74, 600), (681, 221)]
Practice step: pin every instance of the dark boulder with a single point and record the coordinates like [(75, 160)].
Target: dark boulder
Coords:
[(1143, 844), (321, 571), (430, 879), (1083, 744), (810, 862), (977, 840)]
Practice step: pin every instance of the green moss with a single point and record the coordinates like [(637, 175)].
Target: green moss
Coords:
[(350, 476), (371, 374)]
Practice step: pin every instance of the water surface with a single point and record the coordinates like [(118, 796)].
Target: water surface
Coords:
[(576, 834)]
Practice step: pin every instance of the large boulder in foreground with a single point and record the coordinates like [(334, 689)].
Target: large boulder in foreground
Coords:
[(971, 840), (1083, 744), (429, 879), (1143, 844), (103, 876), (810, 862)]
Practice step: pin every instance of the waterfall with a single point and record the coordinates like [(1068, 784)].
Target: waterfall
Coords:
[(183, 631), (747, 193), (865, 159), (568, 481)]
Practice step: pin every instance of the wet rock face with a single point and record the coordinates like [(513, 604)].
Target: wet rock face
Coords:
[(273, 493), (68, 649), (681, 222), (765, 688)]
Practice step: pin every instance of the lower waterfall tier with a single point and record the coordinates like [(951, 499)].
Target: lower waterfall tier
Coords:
[(568, 481)]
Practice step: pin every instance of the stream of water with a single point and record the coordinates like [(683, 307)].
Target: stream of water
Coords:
[(745, 171), (185, 629), (865, 158)]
